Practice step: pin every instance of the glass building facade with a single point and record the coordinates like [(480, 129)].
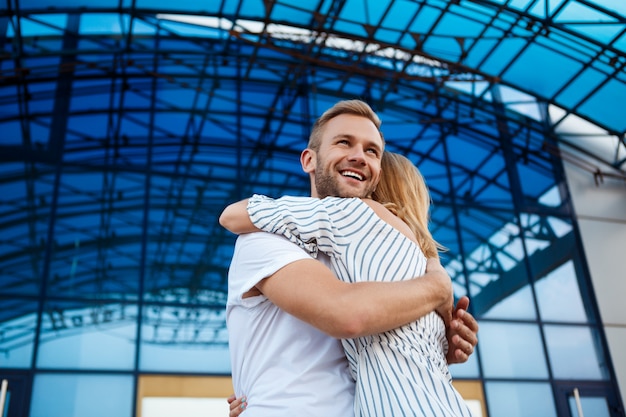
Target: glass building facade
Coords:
[(125, 129)]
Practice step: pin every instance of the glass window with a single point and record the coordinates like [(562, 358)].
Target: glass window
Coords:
[(184, 339), (88, 336), (591, 406), (510, 350), (18, 319), (97, 234), (558, 296), (70, 395), (519, 305), (25, 211), (578, 345), (520, 399)]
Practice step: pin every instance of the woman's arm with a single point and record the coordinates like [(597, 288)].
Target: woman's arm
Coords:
[(235, 218)]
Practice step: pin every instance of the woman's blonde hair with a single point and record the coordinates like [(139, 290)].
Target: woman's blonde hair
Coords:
[(403, 191)]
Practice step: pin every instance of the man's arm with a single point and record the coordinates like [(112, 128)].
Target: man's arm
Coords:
[(235, 218), (461, 326), (309, 290)]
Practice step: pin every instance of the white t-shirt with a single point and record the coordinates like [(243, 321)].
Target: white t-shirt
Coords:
[(284, 366)]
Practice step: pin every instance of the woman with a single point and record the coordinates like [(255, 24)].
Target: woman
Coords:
[(403, 371)]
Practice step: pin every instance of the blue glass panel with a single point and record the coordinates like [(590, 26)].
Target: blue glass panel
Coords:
[(580, 87), (56, 23), (425, 20), (103, 23), (558, 296), (510, 350), (502, 56), (253, 8), (85, 229), (400, 14), (12, 133), (291, 15), (479, 50), (452, 25), (621, 43), (591, 406), (576, 11), (578, 345), (444, 47), (557, 69), (184, 339), (69, 395), (519, 305), (18, 320), (519, 399), (607, 105), (88, 336), (24, 230)]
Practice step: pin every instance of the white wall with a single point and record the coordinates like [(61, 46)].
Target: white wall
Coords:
[(601, 214)]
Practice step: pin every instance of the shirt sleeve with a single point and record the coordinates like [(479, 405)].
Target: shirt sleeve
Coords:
[(258, 256), (311, 223)]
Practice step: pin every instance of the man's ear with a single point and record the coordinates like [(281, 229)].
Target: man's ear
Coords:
[(308, 160)]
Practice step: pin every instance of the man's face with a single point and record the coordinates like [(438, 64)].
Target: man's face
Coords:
[(348, 161)]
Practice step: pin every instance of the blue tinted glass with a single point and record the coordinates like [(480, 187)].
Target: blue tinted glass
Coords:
[(590, 406), (18, 319), (88, 336), (518, 305), (558, 296), (68, 395), (512, 350), (519, 399), (96, 233), (184, 339), (578, 345)]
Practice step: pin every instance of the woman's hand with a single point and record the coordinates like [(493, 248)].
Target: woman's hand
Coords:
[(237, 405)]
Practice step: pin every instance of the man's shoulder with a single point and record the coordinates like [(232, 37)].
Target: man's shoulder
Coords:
[(263, 238), (262, 244)]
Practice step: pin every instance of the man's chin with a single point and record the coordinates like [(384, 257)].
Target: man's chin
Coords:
[(352, 192)]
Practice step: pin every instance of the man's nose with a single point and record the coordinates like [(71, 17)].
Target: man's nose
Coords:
[(357, 154)]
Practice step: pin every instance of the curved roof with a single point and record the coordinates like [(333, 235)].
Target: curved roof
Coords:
[(128, 125)]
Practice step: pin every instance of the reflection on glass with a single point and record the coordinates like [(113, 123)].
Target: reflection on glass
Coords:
[(18, 319), (70, 395), (591, 407), (88, 336), (25, 211), (520, 399), (558, 296), (184, 338), (97, 232), (510, 350), (518, 305), (568, 345)]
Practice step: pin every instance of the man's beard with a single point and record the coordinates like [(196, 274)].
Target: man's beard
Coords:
[(327, 185)]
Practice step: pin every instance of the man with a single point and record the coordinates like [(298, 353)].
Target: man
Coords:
[(285, 309)]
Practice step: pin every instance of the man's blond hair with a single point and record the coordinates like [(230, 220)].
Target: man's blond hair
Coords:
[(354, 107)]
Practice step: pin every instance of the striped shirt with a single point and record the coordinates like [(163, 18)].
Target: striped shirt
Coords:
[(401, 372)]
